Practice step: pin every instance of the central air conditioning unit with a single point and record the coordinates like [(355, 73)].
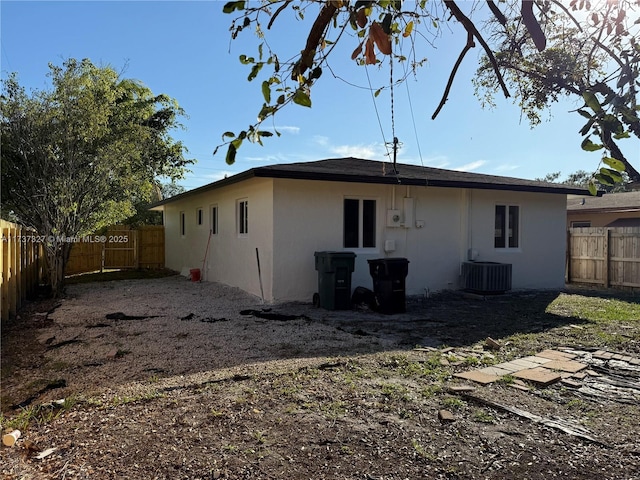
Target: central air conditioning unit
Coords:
[(488, 278)]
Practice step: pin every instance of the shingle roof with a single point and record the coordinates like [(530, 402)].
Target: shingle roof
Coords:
[(610, 202), (369, 171)]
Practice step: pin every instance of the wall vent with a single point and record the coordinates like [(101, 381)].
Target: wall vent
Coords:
[(486, 277)]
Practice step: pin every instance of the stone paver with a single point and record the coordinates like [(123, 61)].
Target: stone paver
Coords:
[(571, 383), (446, 416), (570, 366), (510, 367), (555, 355), (497, 370), (602, 355), (544, 368), (519, 387), (525, 364), (539, 375), (478, 376), (536, 359)]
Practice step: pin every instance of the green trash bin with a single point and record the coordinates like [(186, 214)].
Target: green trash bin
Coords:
[(334, 279), (389, 276)]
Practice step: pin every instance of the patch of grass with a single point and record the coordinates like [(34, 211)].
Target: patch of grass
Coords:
[(40, 414), (576, 404), (394, 391), (431, 390), (420, 450), (595, 309), (488, 361), (259, 436), (471, 361), (333, 410), (216, 413), (506, 379), (453, 403), (483, 416)]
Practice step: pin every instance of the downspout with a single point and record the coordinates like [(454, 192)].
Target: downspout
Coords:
[(393, 197)]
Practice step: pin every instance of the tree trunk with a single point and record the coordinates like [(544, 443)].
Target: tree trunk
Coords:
[(57, 258)]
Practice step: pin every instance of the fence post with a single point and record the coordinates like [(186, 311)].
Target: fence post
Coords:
[(605, 271), (13, 288), (5, 271), (568, 265), (136, 249)]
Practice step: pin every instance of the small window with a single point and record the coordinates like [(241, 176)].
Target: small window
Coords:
[(359, 223), (581, 224), (214, 220), (182, 224), (507, 226), (199, 216), (243, 217)]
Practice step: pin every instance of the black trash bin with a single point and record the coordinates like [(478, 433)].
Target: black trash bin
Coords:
[(389, 276), (334, 280)]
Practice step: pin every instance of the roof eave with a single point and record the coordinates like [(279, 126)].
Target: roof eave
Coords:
[(399, 180), (210, 186), (267, 172)]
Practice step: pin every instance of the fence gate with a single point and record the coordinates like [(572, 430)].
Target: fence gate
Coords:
[(609, 257), (120, 248)]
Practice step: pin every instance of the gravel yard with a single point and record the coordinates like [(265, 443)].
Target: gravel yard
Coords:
[(166, 378)]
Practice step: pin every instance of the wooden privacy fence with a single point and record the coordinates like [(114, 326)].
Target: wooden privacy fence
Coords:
[(119, 247), (609, 257), (21, 265)]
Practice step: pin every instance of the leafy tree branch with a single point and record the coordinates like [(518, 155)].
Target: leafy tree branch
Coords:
[(77, 157), (540, 49)]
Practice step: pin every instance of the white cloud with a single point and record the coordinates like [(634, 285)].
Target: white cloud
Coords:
[(321, 140), (358, 151), (269, 159), (284, 129), (506, 167), (438, 161), (214, 177), (469, 167), (371, 151)]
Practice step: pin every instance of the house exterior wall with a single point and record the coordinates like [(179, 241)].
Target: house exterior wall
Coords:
[(598, 219), (539, 262), (289, 220), (231, 257), (309, 217)]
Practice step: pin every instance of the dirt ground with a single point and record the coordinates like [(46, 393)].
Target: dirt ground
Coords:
[(169, 379)]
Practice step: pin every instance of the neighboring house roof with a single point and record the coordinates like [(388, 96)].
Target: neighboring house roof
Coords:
[(608, 203), (369, 171), (625, 222)]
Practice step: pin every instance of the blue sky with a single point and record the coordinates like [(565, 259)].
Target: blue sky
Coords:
[(184, 49)]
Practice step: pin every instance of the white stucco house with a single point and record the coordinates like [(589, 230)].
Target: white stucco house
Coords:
[(437, 219)]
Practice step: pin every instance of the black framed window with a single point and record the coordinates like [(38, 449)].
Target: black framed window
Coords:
[(243, 217), (359, 218), (507, 226), (214, 220)]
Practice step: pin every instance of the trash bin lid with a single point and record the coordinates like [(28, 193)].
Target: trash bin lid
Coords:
[(388, 260)]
